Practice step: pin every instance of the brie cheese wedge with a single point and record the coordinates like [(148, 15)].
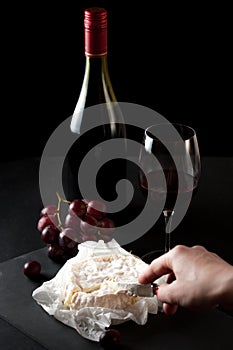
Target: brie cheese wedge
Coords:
[(96, 281)]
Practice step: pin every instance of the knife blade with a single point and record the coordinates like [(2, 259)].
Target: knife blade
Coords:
[(140, 290)]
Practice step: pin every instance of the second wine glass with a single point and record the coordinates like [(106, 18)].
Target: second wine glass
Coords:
[(169, 169)]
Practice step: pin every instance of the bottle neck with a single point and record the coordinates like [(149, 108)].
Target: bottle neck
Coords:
[(97, 78), (98, 65)]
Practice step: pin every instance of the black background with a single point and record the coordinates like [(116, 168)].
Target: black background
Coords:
[(173, 58)]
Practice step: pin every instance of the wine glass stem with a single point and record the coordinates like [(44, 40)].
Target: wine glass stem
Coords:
[(168, 220)]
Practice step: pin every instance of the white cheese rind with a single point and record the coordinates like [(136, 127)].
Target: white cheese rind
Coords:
[(94, 282)]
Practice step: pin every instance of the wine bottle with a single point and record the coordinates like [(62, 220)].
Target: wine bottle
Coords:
[(97, 116)]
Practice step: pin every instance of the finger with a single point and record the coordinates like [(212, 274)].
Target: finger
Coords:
[(158, 267), (170, 309), (167, 293), (162, 265)]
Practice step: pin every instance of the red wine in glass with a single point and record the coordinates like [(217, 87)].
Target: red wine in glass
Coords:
[(151, 185), (169, 168)]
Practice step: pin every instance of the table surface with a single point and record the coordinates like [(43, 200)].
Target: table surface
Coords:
[(23, 323)]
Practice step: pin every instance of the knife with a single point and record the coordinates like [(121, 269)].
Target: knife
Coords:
[(140, 290)]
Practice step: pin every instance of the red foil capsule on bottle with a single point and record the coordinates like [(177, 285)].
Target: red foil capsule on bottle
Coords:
[(95, 30)]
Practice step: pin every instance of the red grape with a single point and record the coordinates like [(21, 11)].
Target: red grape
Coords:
[(43, 222), (48, 210), (50, 234), (77, 207), (32, 268), (71, 252), (56, 253), (89, 225), (110, 339), (106, 225), (72, 221), (46, 221), (68, 238), (96, 209)]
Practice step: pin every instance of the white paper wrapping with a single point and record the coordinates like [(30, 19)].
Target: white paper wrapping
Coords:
[(90, 322)]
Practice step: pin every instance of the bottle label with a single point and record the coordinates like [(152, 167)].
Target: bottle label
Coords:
[(95, 26)]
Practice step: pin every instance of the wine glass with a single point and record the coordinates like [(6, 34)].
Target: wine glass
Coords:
[(169, 172)]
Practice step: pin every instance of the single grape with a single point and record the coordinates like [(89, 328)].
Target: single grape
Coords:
[(110, 339), (46, 221), (48, 210), (77, 207), (43, 222), (71, 252), (56, 253), (72, 221), (50, 234), (89, 225), (68, 239), (32, 268), (106, 226), (96, 209)]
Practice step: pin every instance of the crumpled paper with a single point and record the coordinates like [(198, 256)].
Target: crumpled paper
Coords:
[(90, 322)]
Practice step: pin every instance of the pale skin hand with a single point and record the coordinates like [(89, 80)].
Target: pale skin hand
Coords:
[(197, 279)]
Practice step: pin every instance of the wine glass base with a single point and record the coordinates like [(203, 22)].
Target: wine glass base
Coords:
[(150, 256)]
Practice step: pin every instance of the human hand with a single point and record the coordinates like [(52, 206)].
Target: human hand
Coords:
[(197, 279)]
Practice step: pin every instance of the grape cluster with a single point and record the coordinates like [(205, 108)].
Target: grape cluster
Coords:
[(84, 221)]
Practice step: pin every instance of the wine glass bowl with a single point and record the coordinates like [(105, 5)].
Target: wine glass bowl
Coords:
[(170, 169)]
